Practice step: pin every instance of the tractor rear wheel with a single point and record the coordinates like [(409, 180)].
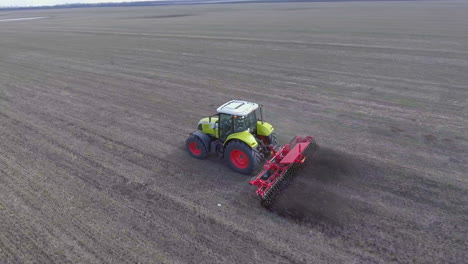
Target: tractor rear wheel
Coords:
[(195, 147), (241, 157), (273, 139)]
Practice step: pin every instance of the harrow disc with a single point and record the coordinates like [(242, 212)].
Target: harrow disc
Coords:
[(287, 178)]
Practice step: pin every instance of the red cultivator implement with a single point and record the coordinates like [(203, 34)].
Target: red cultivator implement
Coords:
[(278, 172)]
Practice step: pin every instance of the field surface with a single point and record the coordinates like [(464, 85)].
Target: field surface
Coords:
[(95, 106)]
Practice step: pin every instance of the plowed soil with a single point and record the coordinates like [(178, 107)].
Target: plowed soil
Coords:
[(95, 106)]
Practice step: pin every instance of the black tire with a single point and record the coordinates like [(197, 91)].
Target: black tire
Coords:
[(273, 140), (241, 157), (195, 147)]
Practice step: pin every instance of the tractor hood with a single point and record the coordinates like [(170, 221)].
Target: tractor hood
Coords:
[(208, 126)]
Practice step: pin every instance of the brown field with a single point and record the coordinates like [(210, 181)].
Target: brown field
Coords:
[(95, 106)]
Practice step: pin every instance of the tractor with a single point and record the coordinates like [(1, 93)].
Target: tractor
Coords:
[(238, 133)]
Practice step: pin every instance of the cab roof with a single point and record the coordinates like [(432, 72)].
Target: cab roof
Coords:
[(237, 107)]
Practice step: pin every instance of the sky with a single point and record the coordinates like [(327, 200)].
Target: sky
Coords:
[(5, 3)]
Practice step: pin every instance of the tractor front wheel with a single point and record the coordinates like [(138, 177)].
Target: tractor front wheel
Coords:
[(195, 147), (241, 157)]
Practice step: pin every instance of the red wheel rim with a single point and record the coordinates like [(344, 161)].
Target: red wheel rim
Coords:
[(194, 148), (239, 159)]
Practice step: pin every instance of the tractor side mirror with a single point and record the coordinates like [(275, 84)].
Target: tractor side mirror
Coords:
[(261, 114)]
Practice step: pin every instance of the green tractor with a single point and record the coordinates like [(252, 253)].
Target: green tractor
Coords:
[(236, 132)]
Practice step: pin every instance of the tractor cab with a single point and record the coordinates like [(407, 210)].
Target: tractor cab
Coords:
[(236, 116)]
